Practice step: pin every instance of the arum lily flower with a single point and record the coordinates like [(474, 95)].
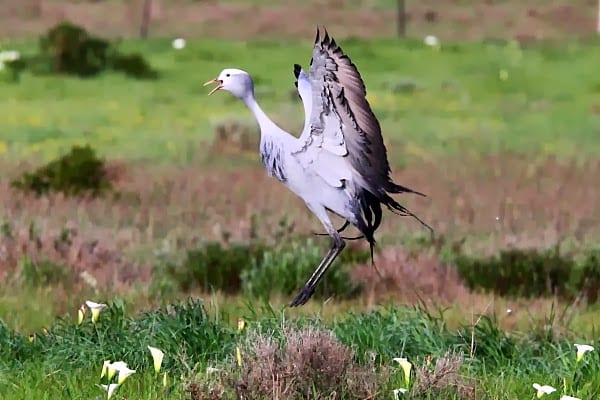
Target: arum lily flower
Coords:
[(210, 370), (431, 40), (543, 390), (80, 314), (124, 373), (238, 356), (31, 337), (95, 308), (582, 349), (406, 367), (565, 397), (104, 368), (110, 389), (398, 392), (115, 367), (178, 43), (157, 357), (241, 324), (165, 381)]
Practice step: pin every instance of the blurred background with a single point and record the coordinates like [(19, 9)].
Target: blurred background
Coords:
[(119, 176)]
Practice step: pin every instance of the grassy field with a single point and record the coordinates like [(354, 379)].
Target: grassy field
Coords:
[(502, 135), (430, 102)]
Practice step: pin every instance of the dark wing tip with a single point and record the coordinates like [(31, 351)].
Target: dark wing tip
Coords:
[(297, 69)]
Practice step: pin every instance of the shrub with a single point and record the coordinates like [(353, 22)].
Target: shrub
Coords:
[(69, 49), (213, 267), (77, 172), (44, 273), (251, 268), (311, 363), (134, 65), (286, 270), (533, 273)]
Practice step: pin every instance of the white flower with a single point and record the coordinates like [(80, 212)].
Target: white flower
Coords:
[(210, 370), (178, 43), (9, 55), (104, 368), (543, 390), (110, 388), (582, 349), (406, 366), (157, 357), (432, 41), (80, 314), (565, 397), (398, 392), (95, 308), (124, 373), (115, 367), (165, 380), (238, 356)]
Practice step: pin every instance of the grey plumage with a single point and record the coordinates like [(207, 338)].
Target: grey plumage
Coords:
[(339, 163)]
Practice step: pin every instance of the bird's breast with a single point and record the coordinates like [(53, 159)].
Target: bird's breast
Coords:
[(273, 159)]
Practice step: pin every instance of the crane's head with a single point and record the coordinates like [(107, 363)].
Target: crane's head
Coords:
[(237, 82)]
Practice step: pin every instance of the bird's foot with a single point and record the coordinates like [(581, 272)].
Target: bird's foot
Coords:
[(303, 297)]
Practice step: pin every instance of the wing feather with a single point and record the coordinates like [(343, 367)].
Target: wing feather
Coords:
[(341, 119)]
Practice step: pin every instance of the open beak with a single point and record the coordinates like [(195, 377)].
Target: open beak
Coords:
[(219, 86)]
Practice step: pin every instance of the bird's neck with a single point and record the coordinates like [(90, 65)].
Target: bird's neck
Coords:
[(268, 128)]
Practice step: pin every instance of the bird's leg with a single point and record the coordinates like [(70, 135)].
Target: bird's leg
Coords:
[(337, 245), (340, 230)]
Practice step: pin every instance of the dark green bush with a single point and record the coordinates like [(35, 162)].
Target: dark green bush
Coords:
[(256, 270), (69, 49), (43, 273), (134, 65), (213, 267), (533, 273), (79, 171)]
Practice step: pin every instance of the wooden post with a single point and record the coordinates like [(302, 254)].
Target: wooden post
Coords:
[(146, 14), (598, 19), (402, 18)]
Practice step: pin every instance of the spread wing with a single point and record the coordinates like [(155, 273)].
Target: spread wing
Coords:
[(342, 124), (305, 93)]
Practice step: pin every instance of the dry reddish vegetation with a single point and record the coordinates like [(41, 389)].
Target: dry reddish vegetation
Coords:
[(451, 19), (162, 210)]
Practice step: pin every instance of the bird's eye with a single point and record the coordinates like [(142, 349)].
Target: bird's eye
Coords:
[(228, 75)]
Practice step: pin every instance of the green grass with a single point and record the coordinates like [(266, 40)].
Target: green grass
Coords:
[(66, 361), (429, 102)]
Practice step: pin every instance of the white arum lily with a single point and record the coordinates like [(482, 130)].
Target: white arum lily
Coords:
[(543, 390), (95, 308), (178, 43), (241, 324), (165, 380), (565, 397), (238, 356), (104, 368), (157, 357), (124, 373), (210, 370), (398, 392), (406, 367), (110, 389), (582, 349), (115, 367), (80, 314), (431, 40)]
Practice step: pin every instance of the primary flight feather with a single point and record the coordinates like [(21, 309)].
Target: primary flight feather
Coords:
[(339, 163)]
